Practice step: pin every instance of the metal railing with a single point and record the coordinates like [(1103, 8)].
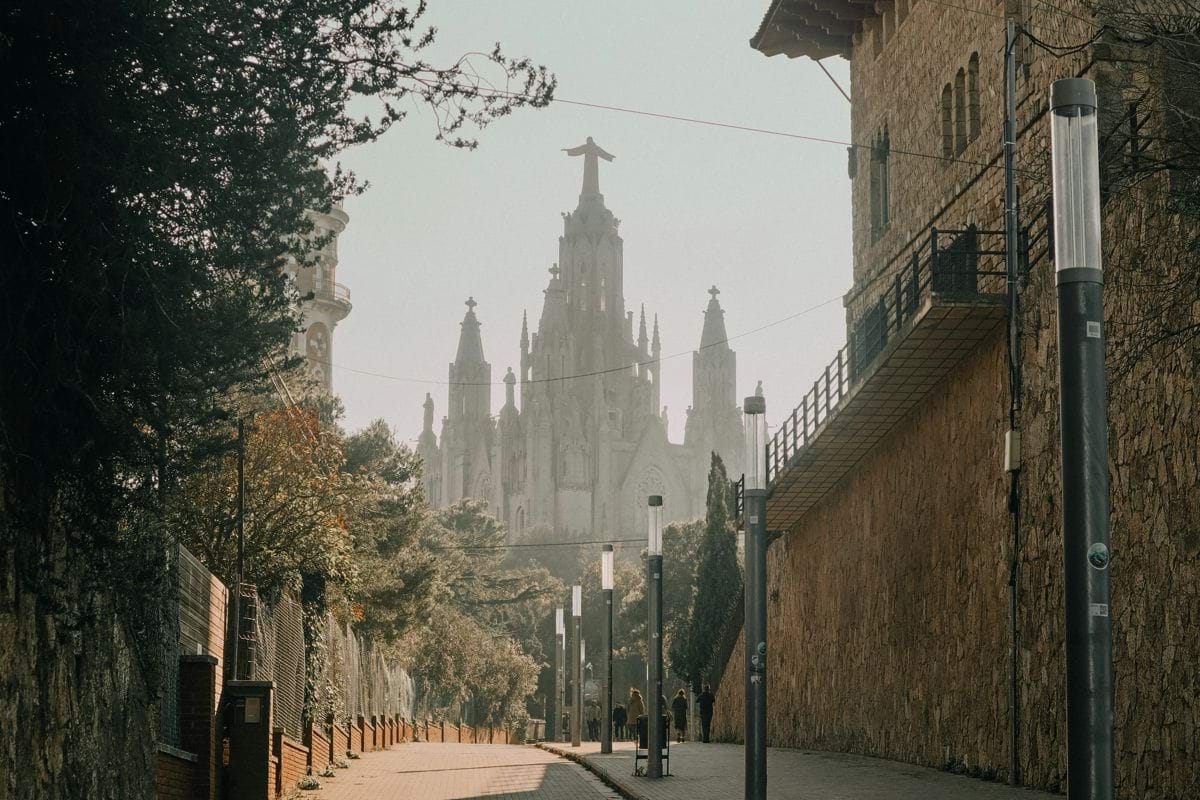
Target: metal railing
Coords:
[(332, 291), (959, 263)]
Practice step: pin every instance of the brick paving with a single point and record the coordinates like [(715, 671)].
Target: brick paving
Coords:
[(433, 771), (714, 772)]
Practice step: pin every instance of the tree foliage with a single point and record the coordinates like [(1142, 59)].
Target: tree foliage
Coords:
[(718, 584)]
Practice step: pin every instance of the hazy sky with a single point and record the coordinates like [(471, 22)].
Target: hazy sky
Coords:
[(765, 218)]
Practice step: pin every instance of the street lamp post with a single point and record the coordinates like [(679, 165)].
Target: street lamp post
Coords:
[(577, 688), (1083, 411), (755, 514), (606, 629), (654, 651), (555, 722)]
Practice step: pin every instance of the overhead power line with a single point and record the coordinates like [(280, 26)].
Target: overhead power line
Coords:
[(594, 373)]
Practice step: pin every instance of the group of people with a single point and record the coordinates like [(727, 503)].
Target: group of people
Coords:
[(624, 720)]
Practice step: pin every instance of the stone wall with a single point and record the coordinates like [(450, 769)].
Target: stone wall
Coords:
[(888, 602)]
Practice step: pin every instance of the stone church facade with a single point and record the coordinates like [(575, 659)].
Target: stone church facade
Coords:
[(581, 438)]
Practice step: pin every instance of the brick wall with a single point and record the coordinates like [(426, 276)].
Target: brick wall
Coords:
[(174, 777), (293, 762), (318, 742), (341, 741)]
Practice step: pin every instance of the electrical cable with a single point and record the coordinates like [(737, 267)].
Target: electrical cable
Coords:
[(595, 373)]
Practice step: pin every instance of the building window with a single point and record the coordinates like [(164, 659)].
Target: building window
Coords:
[(947, 121), (960, 111), (973, 97), (880, 178)]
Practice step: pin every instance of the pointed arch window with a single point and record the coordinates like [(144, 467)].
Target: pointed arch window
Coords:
[(960, 111), (973, 98), (603, 293), (880, 180), (947, 121)]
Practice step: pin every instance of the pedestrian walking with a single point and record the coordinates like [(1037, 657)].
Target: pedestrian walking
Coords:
[(619, 717), (679, 712), (706, 701), (637, 708), (593, 721)]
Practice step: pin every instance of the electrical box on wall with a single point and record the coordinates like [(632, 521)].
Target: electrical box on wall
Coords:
[(1012, 451)]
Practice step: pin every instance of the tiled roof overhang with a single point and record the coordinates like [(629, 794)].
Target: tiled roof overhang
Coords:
[(815, 28)]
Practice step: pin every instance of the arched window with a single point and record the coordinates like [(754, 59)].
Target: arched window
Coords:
[(880, 178), (973, 97), (947, 121), (960, 111)]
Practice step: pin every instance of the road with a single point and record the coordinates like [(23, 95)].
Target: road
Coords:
[(433, 771)]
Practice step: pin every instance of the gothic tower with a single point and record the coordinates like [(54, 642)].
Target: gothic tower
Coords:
[(467, 428), (431, 457), (714, 423)]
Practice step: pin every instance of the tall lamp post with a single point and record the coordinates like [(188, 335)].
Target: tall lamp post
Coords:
[(556, 705), (606, 585), (1083, 410), (754, 511), (577, 649), (654, 652)]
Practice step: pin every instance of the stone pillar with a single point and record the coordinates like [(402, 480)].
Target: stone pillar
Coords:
[(250, 745), (198, 719)]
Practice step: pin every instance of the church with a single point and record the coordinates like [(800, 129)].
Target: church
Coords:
[(581, 439)]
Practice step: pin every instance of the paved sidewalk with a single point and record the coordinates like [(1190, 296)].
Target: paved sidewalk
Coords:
[(714, 772), (434, 771)]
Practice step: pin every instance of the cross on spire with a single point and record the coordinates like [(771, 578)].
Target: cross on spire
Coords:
[(554, 270), (714, 291), (471, 304)]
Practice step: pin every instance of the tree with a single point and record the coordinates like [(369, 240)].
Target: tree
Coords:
[(718, 585), (168, 154), (298, 505), (398, 579), (681, 543)]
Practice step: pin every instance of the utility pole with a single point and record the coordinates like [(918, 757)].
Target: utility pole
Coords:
[(1083, 411), (554, 721), (1013, 440), (654, 653), (754, 512), (577, 649), (241, 549), (606, 585)]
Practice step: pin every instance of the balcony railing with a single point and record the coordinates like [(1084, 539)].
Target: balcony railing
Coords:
[(333, 291), (955, 264)]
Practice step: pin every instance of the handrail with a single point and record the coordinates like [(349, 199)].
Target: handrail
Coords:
[(958, 261)]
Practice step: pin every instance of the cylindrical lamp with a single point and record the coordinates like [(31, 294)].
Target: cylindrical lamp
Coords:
[(606, 630), (576, 671), (655, 518), (559, 627), (1075, 162), (1083, 431), (755, 408)]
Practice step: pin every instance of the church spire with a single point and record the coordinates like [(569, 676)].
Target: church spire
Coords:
[(470, 344), (428, 427), (714, 334), (642, 338)]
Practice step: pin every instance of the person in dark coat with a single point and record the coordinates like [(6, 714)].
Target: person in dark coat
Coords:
[(679, 712), (619, 718), (706, 701)]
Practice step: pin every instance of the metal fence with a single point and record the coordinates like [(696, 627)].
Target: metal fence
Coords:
[(953, 263), (357, 679), (272, 635)]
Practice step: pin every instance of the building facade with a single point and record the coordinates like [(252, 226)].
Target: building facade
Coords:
[(916, 591), (581, 437), (323, 301)]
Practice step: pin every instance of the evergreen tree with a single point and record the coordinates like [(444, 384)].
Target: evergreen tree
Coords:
[(718, 584)]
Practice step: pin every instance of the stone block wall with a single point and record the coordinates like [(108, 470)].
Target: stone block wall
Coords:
[(887, 603)]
